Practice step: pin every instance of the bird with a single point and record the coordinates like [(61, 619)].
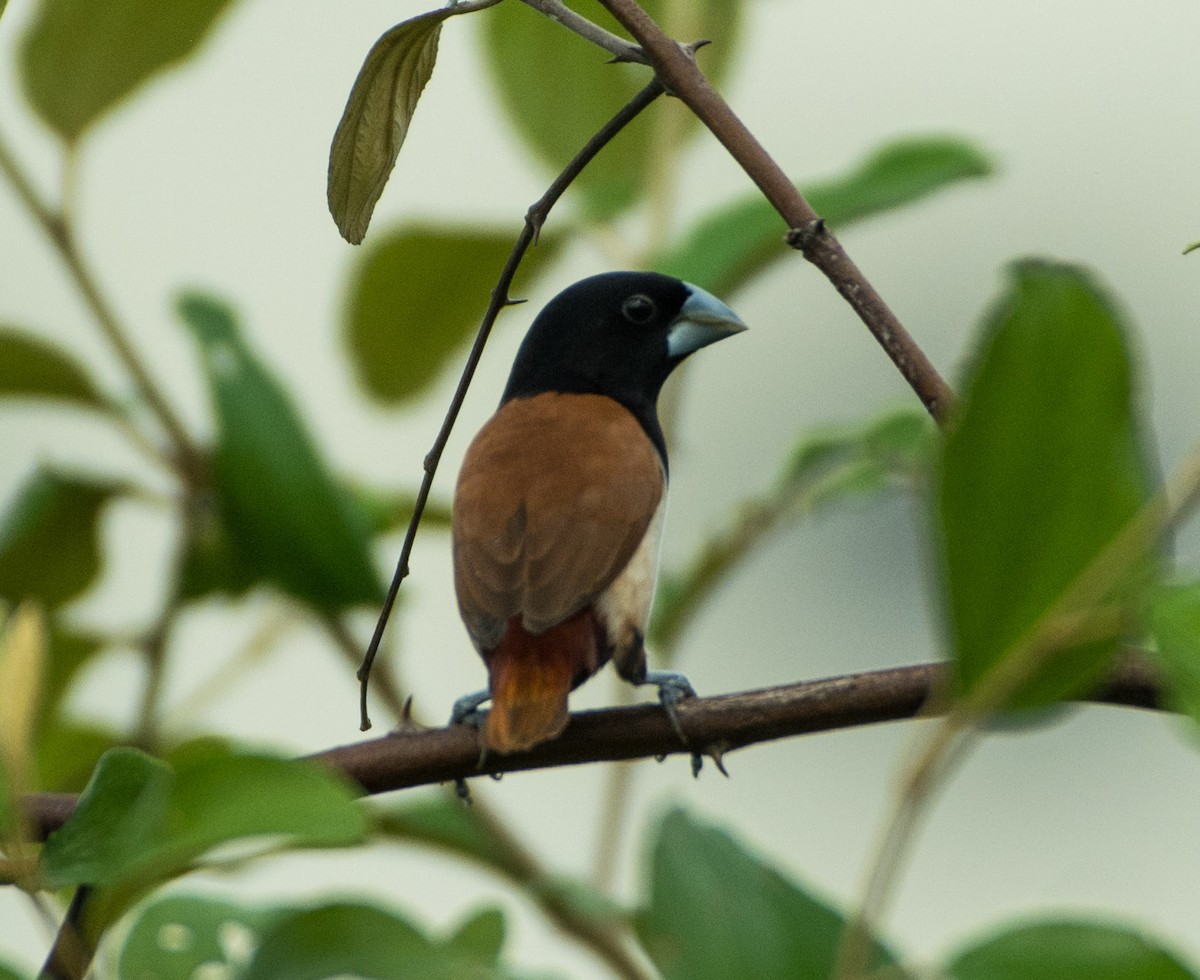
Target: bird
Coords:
[(559, 505)]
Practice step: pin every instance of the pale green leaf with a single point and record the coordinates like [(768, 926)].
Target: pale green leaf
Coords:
[(375, 121)]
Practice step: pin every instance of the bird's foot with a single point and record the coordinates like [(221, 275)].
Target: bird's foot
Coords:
[(466, 712), (674, 687)]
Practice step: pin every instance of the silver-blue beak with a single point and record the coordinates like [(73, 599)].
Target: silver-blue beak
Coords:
[(702, 320)]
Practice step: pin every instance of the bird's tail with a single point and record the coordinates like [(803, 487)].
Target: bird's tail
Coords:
[(531, 676)]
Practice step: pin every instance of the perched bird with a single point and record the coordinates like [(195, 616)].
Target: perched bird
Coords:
[(559, 505)]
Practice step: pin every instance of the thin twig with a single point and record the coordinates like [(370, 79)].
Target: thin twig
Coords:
[(560, 13), (417, 758), (683, 79), (535, 217), (72, 952)]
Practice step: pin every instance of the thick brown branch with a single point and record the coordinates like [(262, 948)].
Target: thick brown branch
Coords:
[(717, 724), (679, 72)]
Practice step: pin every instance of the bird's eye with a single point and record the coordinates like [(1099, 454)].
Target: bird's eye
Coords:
[(639, 309)]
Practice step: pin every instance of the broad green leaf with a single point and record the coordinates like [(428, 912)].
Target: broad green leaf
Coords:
[(366, 941), (34, 368), (116, 823), (276, 515), (730, 246), (557, 90), (174, 937), (79, 58), (11, 972), (716, 911), (388, 510), (416, 296), (49, 547), (1040, 472), (1175, 620), (139, 819), (376, 119), (219, 797), (1064, 950)]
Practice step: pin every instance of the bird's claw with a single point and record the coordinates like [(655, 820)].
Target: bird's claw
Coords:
[(466, 712)]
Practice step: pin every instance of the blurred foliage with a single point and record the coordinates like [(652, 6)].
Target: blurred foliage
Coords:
[(402, 328), (1068, 950), (736, 242), (68, 67), (34, 368), (557, 91), (1041, 471), (280, 515), (1053, 359), (715, 911)]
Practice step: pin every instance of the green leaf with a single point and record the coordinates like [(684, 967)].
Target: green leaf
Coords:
[(116, 823), (276, 514), (11, 972), (1175, 620), (416, 296), (79, 58), (737, 242), (481, 933), (557, 90), (1064, 950), (139, 819), (49, 537), (376, 119), (367, 941), (1040, 472), (173, 937), (34, 368), (716, 911)]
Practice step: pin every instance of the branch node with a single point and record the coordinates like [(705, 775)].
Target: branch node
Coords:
[(805, 237)]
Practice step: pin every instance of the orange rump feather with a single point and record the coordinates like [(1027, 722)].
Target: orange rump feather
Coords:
[(531, 675)]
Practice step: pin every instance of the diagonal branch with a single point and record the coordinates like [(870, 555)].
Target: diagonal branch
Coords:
[(718, 724), (680, 74)]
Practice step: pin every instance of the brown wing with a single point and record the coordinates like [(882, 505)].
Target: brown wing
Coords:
[(554, 496)]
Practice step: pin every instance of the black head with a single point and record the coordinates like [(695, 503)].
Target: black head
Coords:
[(618, 334)]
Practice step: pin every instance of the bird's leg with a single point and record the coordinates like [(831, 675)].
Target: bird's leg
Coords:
[(466, 712), (674, 687), (466, 709)]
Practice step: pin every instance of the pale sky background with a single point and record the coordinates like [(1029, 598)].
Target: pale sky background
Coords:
[(216, 177)]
